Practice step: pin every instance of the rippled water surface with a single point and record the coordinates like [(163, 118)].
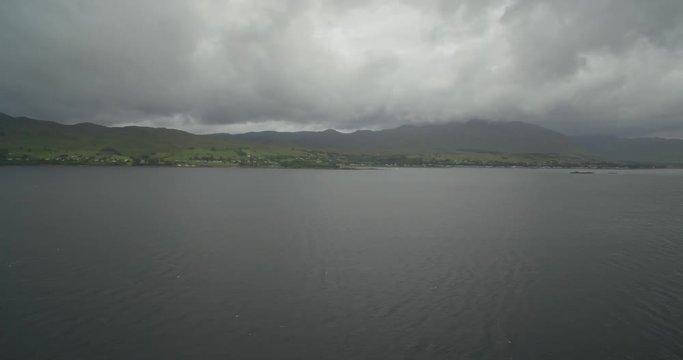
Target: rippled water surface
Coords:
[(159, 263)]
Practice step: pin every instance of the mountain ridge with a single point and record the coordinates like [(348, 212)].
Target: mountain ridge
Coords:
[(475, 142), (478, 135)]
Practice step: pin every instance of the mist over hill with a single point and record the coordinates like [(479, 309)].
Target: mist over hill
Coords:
[(474, 135), (657, 151), (476, 142)]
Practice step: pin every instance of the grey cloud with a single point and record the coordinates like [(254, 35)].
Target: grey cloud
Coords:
[(582, 66)]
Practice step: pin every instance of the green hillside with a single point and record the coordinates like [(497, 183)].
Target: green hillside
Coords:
[(28, 141), (25, 141)]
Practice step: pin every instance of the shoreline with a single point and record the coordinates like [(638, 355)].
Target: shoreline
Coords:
[(584, 169)]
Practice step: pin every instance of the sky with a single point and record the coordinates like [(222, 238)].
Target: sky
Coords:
[(580, 66)]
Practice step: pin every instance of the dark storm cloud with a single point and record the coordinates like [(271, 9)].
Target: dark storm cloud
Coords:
[(578, 66)]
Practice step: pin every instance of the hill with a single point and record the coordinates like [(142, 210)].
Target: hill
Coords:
[(474, 143), (25, 140), (655, 151), (448, 138)]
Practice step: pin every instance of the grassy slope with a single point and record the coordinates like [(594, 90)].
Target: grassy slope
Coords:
[(28, 141)]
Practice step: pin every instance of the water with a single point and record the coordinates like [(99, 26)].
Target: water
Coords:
[(159, 263)]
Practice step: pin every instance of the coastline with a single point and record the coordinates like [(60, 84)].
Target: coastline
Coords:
[(588, 169)]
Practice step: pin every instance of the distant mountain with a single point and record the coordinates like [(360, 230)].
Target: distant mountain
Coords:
[(474, 135), (26, 132), (27, 141), (656, 151), (476, 142)]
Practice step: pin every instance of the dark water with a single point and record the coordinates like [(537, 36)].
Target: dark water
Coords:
[(157, 263)]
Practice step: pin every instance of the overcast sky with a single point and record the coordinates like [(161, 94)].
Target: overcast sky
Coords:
[(580, 66)]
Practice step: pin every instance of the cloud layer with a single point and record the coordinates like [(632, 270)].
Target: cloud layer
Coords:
[(582, 66)]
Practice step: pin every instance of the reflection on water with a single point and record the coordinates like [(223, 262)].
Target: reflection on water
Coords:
[(142, 263)]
